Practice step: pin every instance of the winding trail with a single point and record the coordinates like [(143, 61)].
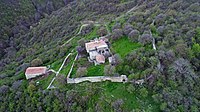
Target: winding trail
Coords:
[(68, 75), (83, 25), (129, 11)]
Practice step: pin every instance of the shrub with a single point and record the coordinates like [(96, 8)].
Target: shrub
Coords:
[(143, 92), (61, 79), (82, 71), (81, 42), (116, 26), (109, 70), (102, 31), (36, 62), (116, 59), (4, 89), (131, 88), (117, 105), (81, 50), (127, 29), (145, 39), (117, 34), (196, 49), (134, 35)]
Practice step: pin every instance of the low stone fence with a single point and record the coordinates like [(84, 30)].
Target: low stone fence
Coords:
[(122, 78)]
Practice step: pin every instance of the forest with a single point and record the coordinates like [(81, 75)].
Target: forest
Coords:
[(154, 40)]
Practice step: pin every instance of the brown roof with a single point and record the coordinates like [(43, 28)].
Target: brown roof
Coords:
[(93, 45), (35, 70), (100, 59)]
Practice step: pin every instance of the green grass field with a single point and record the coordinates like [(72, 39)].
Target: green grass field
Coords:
[(92, 70), (56, 65), (45, 81), (66, 68), (108, 92), (93, 34), (95, 70), (124, 46)]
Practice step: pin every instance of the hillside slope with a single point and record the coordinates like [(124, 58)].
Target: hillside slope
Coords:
[(157, 41)]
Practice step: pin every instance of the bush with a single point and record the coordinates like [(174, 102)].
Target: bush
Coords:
[(131, 88), (143, 92), (116, 26), (116, 59), (196, 49), (145, 39), (82, 71), (4, 89), (87, 29), (81, 42), (134, 35), (109, 70), (102, 31), (117, 34), (127, 29), (61, 79), (36, 62), (81, 50), (117, 105)]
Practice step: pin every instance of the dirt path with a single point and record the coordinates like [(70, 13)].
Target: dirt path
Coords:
[(59, 70), (63, 63), (72, 66), (132, 9), (84, 25)]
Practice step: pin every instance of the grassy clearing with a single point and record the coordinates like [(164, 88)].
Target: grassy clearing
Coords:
[(45, 81), (108, 92), (93, 34), (91, 68), (132, 101), (66, 68), (110, 25), (95, 70), (124, 46), (56, 65)]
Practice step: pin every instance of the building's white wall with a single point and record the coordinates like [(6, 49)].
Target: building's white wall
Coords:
[(29, 76), (93, 54)]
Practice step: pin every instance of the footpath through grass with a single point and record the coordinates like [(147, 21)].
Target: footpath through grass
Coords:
[(45, 81), (66, 68)]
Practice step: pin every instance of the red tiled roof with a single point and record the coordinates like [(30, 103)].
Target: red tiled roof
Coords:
[(35, 70), (100, 59), (93, 45)]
